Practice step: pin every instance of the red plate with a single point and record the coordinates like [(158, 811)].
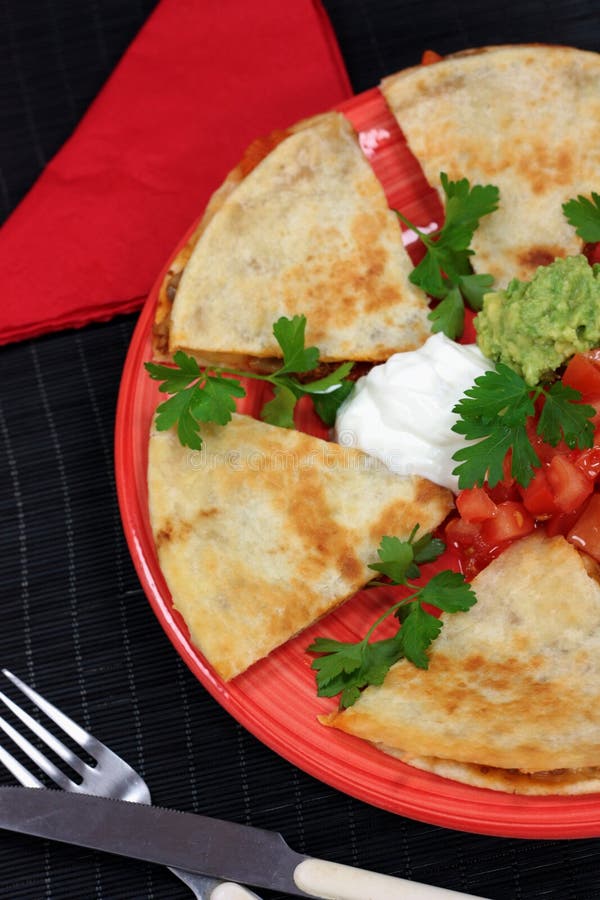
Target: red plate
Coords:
[(276, 698)]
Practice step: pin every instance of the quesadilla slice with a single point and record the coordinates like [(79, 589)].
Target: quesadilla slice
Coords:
[(266, 529), (585, 780), (306, 231), (523, 117), (511, 696)]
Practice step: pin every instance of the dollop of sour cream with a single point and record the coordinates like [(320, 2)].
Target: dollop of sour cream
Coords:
[(401, 412)]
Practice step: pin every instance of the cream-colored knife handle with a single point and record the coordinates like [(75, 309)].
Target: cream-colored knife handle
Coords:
[(333, 881), (230, 891)]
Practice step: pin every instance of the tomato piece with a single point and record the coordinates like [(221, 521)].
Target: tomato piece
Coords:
[(538, 497), (592, 252), (588, 461), (569, 484), (507, 489), (585, 533), (504, 490), (469, 335), (561, 523), (583, 373), (475, 505), (511, 521), (545, 452), (473, 552), (429, 57)]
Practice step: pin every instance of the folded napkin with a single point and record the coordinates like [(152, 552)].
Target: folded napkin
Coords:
[(196, 86)]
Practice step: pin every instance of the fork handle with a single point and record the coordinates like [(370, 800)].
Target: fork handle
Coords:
[(205, 888)]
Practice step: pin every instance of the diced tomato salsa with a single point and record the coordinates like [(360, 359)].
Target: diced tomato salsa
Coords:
[(562, 498)]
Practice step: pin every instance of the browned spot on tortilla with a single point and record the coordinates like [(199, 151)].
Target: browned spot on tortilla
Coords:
[(544, 167), (353, 282), (474, 662), (451, 83), (164, 535), (206, 513), (319, 531), (539, 256), (350, 568), (171, 533), (399, 518)]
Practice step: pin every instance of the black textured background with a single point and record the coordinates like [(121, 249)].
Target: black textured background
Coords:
[(75, 622)]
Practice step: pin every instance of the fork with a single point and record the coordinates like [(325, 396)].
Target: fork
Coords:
[(111, 776)]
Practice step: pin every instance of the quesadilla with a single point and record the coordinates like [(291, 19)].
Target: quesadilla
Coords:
[(307, 231), (523, 117), (266, 529), (511, 697)]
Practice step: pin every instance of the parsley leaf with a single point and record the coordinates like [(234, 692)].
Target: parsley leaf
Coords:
[(449, 315), (324, 385), (207, 396), (418, 630), (584, 215), (176, 411), (465, 206), (445, 270), (493, 415), (327, 404), (347, 668), (449, 592), (289, 334), (397, 557), (484, 460), (189, 405), (473, 289), (427, 548), (498, 390), (564, 418), (174, 379), (280, 410), (215, 402)]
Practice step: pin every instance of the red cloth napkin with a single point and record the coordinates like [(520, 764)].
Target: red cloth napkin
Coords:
[(196, 86)]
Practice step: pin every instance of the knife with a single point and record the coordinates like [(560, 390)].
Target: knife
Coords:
[(199, 844)]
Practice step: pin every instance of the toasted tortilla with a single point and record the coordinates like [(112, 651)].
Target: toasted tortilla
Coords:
[(267, 529), (511, 697), (306, 231), (523, 117), (511, 781)]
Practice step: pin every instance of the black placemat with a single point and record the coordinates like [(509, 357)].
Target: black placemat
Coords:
[(76, 623)]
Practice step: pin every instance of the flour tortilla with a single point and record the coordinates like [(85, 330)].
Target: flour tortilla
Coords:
[(523, 117), (558, 781), (511, 697), (306, 232), (267, 529)]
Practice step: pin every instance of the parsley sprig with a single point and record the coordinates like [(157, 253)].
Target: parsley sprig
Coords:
[(445, 271), (347, 668), (584, 215), (206, 395), (494, 413)]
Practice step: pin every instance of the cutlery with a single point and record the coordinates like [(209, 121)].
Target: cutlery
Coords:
[(111, 776), (198, 844)]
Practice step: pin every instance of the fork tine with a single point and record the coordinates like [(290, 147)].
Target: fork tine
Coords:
[(59, 748), (18, 770), (46, 765), (75, 731)]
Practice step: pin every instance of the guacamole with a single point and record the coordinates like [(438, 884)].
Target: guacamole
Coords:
[(535, 326)]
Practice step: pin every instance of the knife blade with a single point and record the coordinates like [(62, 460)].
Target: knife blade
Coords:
[(203, 845)]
